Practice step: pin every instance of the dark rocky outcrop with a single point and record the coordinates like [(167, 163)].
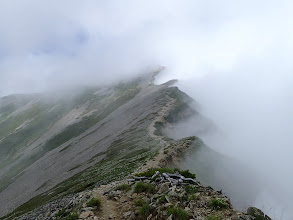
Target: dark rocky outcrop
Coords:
[(257, 213)]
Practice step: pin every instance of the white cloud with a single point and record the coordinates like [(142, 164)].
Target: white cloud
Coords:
[(234, 57)]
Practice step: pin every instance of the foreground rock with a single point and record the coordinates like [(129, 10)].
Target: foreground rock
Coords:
[(154, 194)]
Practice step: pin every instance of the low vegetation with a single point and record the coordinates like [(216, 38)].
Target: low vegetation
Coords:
[(190, 189), (144, 207), (178, 213), (192, 197), (145, 210), (94, 203), (162, 199), (61, 213), (73, 216), (144, 187), (213, 217), (218, 204), (124, 187)]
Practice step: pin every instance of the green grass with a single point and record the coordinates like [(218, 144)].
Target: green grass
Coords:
[(178, 213), (124, 187), (95, 203), (151, 171), (218, 204), (186, 173), (61, 213), (144, 187), (139, 202), (190, 189), (192, 197), (162, 199), (213, 217), (73, 216), (145, 210)]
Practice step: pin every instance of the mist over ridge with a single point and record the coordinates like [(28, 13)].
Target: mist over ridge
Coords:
[(233, 58)]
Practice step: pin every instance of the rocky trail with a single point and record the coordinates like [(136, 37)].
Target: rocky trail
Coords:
[(156, 193)]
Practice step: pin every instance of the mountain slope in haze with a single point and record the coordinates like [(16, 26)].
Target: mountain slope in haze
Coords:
[(52, 146)]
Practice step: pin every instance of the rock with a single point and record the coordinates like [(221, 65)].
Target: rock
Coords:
[(257, 213), (47, 214), (111, 216), (124, 199), (154, 197), (164, 188), (86, 214), (173, 188), (149, 217), (54, 213), (118, 192), (168, 199), (168, 205), (87, 209), (127, 214), (173, 196), (133, 216)]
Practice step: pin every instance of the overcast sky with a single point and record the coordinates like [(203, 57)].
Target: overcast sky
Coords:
[(234, 57), (46, 44)]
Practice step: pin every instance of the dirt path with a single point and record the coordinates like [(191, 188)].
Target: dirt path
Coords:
[(152, 129), (112, 209), (109, 208)]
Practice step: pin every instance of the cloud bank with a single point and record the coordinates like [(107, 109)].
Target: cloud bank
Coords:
[(233, 57)]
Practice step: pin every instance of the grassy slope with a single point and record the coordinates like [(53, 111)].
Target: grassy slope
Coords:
[(132, 150), (42, 121)]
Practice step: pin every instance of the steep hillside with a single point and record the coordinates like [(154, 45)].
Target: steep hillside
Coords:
[(52, 146), (60, 153)]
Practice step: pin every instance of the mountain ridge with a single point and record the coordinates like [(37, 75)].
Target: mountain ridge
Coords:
[(66, 146), (140, 98)]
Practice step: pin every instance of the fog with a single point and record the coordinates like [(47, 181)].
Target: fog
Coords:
[(232, 57)]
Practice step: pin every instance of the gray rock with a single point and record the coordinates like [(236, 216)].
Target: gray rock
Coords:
[(257, 213), (86, 214), (127, 214), (149, 217), (164, 188)]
